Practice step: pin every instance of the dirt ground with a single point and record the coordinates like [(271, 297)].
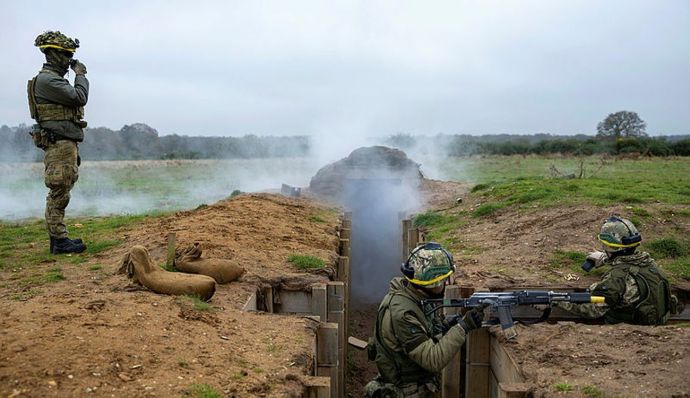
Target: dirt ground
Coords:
[(513, 249), (97, 336), (93, 335), (618, 361)]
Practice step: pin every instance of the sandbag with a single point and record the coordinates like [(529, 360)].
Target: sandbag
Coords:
[(223, 271), (138, 266)]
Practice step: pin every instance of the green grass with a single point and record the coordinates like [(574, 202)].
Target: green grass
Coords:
[(98, 247), (196, 303), (592, 392), (441, 227), (563, 387), (26, 245), (305, 261), (572, 261), (667, 248), (95, 267), (487, 209), (431, 219), (53, 275), (316, 218), (638, 211), (678, 268), (525, 181), (201, 391)]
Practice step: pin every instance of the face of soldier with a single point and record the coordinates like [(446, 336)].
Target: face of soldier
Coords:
[(437, 291), (59, 58)]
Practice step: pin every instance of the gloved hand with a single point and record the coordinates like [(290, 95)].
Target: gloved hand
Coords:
[(472, 319), (598, 258), (78, 67)]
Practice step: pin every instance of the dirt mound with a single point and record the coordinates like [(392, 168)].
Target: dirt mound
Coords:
[(517, 249), (620, 360), (95, 334), (376, 162)]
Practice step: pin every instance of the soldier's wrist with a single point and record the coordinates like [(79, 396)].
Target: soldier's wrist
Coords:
[(463, 325)]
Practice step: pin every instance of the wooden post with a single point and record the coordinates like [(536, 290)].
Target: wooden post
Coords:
[(345, 247), (478, 364), (327, 354), (318, 302), (451, 373), (345, 233), (170, 255), (268, 298), (317, 387), (336, 314), (406, 224), (412, 238)]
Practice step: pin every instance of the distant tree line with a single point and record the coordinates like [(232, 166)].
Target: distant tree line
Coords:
[(540, 144), (622, 132), (139, 141)]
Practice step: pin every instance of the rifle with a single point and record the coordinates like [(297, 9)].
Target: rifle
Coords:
[(500, 304)]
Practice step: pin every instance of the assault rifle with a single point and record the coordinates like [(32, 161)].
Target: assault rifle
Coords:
[(501, 303)]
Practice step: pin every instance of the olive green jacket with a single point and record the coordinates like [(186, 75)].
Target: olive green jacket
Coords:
[(412, 347), (52, 88)]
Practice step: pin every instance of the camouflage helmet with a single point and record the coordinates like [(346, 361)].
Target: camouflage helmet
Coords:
[(619, 234), (56, 40), (429, 265)]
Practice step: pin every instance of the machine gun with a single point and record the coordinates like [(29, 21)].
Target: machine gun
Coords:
[(500, 304)]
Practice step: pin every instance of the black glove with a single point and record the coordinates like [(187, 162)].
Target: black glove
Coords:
[(78, 67), (472, 319)]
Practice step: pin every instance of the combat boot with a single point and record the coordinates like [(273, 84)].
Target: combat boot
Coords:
[(52, 242), (66, 245)]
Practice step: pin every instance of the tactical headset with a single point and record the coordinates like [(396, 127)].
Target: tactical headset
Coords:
[(408, 270), (626, 241)]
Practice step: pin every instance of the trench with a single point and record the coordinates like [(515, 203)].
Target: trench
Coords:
[(376, 248)]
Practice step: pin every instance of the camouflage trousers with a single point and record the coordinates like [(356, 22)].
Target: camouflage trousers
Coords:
[(585, 310), (60, 174)]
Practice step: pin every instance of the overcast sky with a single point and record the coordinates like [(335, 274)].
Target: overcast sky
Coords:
[(362, 67)]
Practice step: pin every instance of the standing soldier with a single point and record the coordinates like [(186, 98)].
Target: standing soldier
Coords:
[(58, 109)]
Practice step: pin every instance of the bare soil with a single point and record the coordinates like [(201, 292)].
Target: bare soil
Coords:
[(97, 335), (513, 249)]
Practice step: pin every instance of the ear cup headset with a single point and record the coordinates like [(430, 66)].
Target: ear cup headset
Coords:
[(407, 269)]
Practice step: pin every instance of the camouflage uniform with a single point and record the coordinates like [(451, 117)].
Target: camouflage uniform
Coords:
[(58, 110), (411, 348), (620, 286)]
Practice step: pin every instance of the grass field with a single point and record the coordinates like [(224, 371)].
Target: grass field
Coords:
[(652, 189), (528, 181), (136, 187), (132, 190)]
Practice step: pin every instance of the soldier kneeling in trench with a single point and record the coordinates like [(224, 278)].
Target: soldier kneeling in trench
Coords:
[(411, 348), (634, 289)]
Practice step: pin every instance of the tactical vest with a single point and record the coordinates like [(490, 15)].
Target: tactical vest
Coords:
[(52, 112), (396, 367), (654, 305)]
